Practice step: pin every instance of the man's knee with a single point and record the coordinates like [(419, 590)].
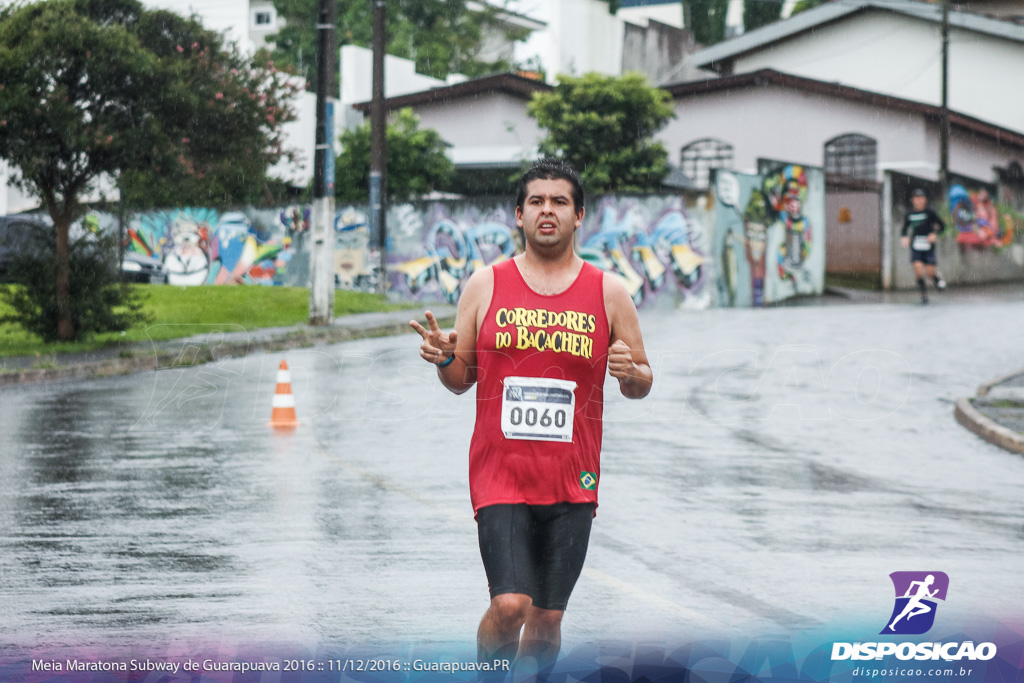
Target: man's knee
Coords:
[(545, 619), (511, 608)]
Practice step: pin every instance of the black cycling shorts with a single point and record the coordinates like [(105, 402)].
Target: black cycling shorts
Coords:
[(536, 550), (925, 257)]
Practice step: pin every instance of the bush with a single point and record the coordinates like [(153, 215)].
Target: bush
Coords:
[(98, 301)]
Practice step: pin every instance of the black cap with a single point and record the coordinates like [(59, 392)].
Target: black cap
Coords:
[(918, 193)]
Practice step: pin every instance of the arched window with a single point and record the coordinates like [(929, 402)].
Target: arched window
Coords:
[(852, 155), (699, 157)]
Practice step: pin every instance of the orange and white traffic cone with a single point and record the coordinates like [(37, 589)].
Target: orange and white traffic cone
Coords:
[(283, 414)]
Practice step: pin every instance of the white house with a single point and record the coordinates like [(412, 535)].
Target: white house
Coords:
[(483, 120), (733, 121), (891, 47)]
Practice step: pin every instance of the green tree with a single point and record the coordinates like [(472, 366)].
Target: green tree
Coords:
[(758, 13), (93, 88), (604, 125), (707, 20), (417, 163), (440, 36)]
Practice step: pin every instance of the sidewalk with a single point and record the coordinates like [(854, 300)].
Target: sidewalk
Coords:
[(216, 344)]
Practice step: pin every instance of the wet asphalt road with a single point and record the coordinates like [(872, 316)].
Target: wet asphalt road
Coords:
[(786, 462)]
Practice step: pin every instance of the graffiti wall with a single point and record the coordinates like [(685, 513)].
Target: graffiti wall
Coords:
[(982, 241), (769, 240), (652, 244), (434, 248), (661, 247)]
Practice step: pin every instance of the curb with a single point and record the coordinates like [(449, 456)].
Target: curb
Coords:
[(985, 388), (195, 353), (968, 416)]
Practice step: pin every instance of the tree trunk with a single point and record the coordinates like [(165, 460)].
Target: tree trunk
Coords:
[(65, 328)]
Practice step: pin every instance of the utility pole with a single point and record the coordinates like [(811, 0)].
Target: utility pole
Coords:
[(120, 224), (944, 132), (378, 143), (321, 291)]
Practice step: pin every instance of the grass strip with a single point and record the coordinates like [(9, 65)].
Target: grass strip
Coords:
[(182, 311)]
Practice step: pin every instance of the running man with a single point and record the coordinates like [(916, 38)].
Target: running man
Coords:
[(914, 606), (925, 226), (535, 334)]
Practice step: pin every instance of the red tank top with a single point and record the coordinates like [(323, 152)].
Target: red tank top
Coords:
[(530, 335)]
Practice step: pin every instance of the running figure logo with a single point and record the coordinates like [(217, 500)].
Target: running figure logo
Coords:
[(916, 593)]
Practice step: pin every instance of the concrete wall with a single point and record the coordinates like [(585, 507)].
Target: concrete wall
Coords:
[(899, 55)]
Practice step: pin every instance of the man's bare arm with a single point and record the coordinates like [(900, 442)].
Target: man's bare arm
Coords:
[(627, 359), (460, 344)]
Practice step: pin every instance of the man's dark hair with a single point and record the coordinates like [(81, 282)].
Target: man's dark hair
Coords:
[(551, 169)]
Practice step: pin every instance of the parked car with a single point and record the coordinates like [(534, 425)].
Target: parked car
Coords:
[(14, 233), (141, 268)]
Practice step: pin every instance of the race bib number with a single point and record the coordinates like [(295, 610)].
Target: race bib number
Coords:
[(921, 243), (538, 409)]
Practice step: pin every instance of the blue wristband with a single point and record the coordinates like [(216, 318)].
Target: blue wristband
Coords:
[(447, 362)]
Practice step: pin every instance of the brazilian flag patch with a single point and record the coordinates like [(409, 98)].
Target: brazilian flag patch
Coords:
[(588, 481)]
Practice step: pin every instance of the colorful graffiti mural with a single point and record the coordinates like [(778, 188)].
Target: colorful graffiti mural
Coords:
[(356, 264), (642, 240), (786, 189), (656, 245), (638, 239), (778, 225), (455, 247), (977, 219), (201, 246)]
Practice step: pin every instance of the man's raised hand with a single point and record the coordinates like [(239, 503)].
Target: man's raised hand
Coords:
[(437, 345)]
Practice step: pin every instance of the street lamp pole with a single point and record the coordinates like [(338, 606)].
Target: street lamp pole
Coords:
[(378, 143)]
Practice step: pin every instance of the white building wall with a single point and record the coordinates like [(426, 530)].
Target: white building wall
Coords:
[(761, 123), (972, 155), (580, 36), (400, 76), (231, 17), (492, 128), (670, 13), (901, 56), (300, 136)]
